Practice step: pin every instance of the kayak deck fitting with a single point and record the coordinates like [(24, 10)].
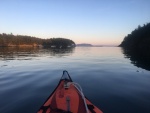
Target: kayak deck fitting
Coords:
[(68, 98)]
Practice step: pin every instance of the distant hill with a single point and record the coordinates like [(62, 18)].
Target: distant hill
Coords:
[(84, 45)]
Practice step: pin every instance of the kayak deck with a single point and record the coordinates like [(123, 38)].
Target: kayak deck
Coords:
[(68, 98)]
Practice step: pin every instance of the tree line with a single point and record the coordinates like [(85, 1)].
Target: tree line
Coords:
[(139, 39), (58, 43), (7, 40), (136, 46)]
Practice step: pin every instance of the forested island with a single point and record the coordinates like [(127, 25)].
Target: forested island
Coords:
[(136, 46), (138, 40), (10, 40)]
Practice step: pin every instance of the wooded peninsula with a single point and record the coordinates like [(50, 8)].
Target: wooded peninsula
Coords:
[(10, 40), (136, 46), (138, 41)]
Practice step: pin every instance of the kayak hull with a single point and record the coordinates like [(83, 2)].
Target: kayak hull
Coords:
[(67, 98)]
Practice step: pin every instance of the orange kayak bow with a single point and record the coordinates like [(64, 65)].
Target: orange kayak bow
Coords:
[(68, 98)]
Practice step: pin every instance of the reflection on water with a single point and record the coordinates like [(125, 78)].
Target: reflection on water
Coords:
[(28, 53), (108, 79), (137, 58)]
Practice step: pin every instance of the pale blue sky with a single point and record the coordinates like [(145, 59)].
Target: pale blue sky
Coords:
[(104, 22)]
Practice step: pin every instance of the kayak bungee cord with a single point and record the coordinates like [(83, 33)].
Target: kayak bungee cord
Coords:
[(78, 87)]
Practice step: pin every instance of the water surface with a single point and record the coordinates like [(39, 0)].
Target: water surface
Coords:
[(107, 77)]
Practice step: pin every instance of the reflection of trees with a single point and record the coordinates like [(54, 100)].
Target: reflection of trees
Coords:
[(27, 53), (137, 58), (58, 52), (11, 53), (136, 46)]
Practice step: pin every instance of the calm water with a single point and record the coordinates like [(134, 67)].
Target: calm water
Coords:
[(107, 77)]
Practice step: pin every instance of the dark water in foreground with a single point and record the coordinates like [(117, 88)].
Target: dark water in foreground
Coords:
[(108, 79)]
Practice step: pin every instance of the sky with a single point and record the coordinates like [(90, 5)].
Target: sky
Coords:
[(97, 22)]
